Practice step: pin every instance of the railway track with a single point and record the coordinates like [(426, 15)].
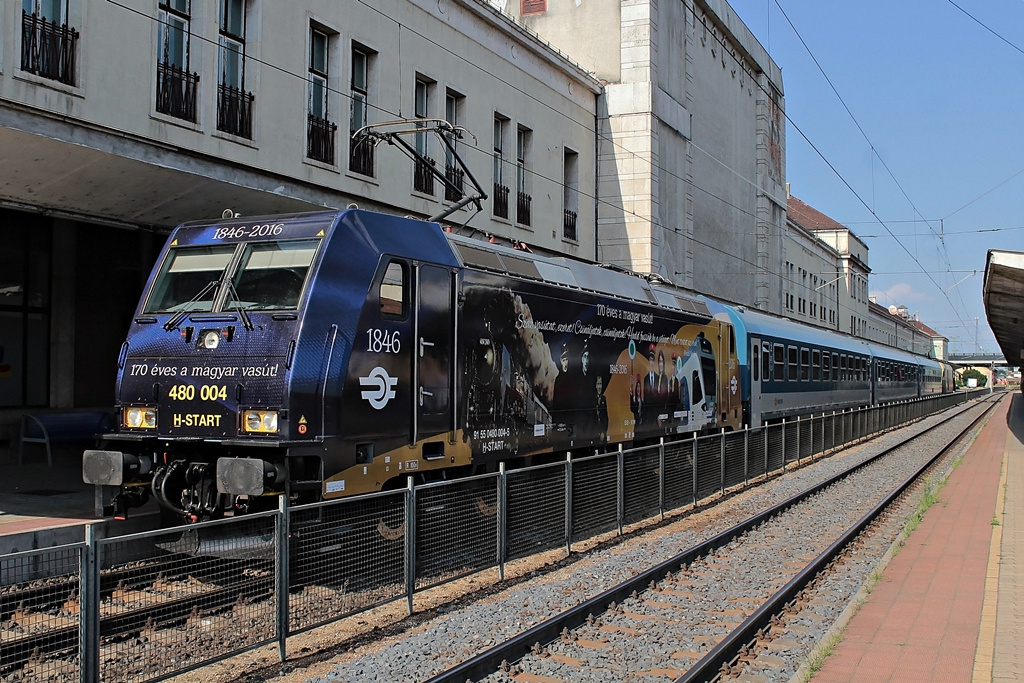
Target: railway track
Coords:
[(696, 617)]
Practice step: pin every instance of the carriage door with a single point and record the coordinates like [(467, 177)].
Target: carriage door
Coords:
[(757, 364), (432, 357)]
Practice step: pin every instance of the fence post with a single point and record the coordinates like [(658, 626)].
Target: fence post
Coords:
[(620, 502), (798, 440), (695, 469), (89, 607), (502, 519), (410, 542), (746, 455), (783, 444), (721, 457), (281, 581), (568, 502), (833, 431), (661, 477)]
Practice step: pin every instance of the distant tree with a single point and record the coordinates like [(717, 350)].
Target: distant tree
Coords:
[(976, 374)]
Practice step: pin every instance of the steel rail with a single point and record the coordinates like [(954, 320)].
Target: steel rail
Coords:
[(710, 667), (513, 649)]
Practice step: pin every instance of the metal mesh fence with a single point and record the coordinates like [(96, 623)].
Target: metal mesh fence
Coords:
[(817, 435), (536, 510), (594, 495), (641, 483), (756, 453), (709, 466), (792, 440), (344, 557), (170, 601), (805, 428), (456, 529), (678, 474), (39, 614), (735, 467), (776, 454), (173, 600)]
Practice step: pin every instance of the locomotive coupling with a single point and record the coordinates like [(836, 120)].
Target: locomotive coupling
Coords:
[(248, 476), (114, 468)]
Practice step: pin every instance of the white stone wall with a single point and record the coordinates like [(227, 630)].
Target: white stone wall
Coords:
[(142, 166)]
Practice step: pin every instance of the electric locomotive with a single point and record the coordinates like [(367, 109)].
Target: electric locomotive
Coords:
[(328, 354)]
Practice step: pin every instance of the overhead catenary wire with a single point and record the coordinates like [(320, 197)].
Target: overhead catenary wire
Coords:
[(668, 172)]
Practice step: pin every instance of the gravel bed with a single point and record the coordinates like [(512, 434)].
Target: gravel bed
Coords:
[(714, 593)]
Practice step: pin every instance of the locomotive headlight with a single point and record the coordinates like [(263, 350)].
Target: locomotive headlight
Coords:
[(260, 421), (211, 338), (139, 417)]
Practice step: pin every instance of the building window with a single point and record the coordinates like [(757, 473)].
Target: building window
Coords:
[(523, 198), (234, 104), (48, 44), (24, 310), (175, 87), (501, 189), (361, 154), (570, 193), (533, 6), (423, 176), (320, 129), (453, 105)]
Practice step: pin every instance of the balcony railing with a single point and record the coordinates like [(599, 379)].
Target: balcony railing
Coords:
[(423, 176), (176, 92), (455, 176), (234, 111), (569, 225), (47, 49), (360, 158), (320, 139), (500, 201), (523, 202)]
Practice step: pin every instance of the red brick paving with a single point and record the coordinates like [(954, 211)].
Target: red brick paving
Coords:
[(921, 621)]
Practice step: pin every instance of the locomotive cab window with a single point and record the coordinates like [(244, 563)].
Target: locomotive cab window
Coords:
[(392, 291), (271, 275), (188, 278)]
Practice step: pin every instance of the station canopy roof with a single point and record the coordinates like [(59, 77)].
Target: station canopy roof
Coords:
[(1004, 302)]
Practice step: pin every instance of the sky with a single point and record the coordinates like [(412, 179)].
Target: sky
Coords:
[(905, 123)]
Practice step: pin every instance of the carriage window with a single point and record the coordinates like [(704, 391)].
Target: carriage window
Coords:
[(835, 366), (392, 291), (842, 368), (271, 275), (826, 365), (816, 365), (766, 361), (780, 363), (792, 365), (755, 362), (805, 363)]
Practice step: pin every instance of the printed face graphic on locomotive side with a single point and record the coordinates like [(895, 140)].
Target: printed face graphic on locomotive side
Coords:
[(545, 373)]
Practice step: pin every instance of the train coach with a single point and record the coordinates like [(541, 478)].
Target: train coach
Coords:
[(335, 353)]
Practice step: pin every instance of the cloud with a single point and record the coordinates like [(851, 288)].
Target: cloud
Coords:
[(900, 293)]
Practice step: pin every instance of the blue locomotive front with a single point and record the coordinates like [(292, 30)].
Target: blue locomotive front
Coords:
[(230, 383)]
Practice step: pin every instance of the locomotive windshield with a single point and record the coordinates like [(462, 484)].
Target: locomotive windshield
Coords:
[(186, 278), (260, 275)]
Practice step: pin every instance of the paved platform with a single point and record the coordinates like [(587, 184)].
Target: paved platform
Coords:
[(949, 606), (43, 506)]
